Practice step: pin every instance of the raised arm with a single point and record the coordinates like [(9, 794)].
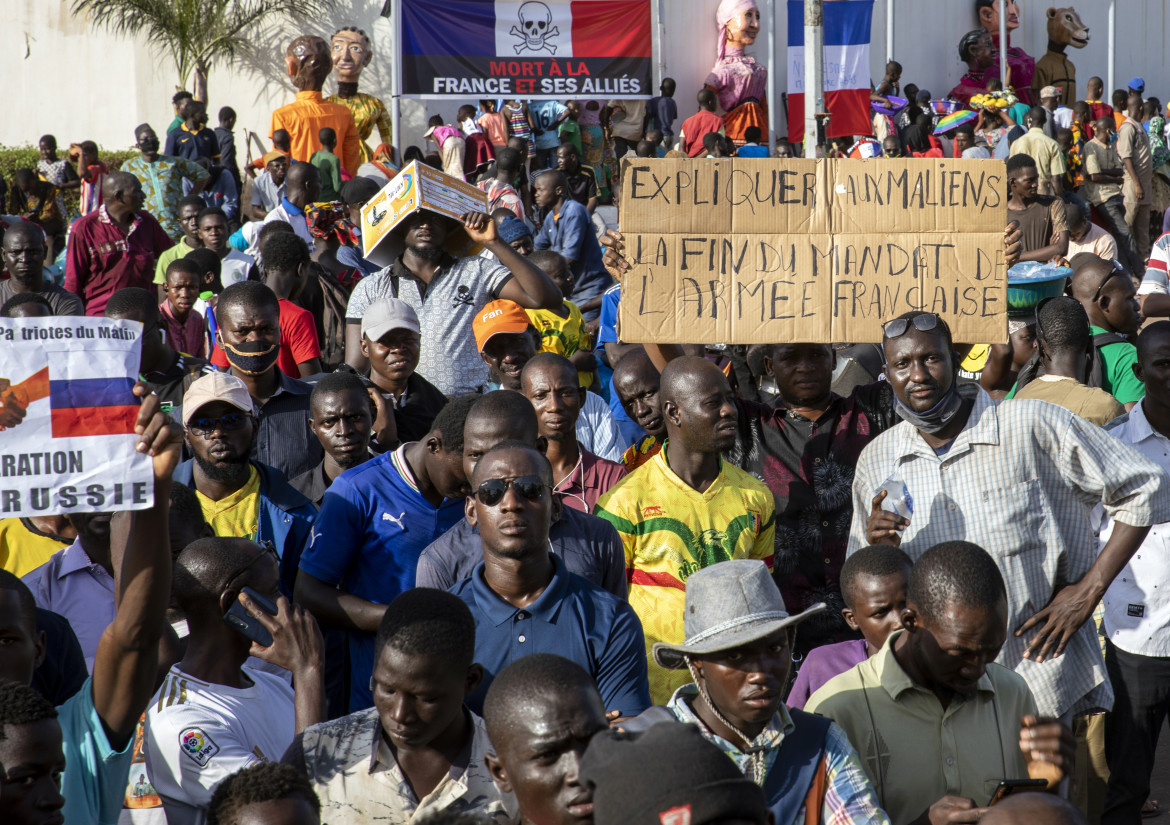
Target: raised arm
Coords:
[(125, 667), (529, 286)]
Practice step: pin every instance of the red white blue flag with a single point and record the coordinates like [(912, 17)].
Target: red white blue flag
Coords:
[(846, 75), (534, 50), (91, 406)]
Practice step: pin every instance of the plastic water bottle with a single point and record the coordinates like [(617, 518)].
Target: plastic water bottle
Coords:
[(898, 499)]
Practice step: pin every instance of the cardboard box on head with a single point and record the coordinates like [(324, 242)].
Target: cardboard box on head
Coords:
[(415, 188), (745, 251)]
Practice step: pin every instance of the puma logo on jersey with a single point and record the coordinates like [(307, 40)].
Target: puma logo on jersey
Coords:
[(398, 520)]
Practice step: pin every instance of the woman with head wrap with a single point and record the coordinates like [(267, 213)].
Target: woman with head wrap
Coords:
[(975, 49), (738, 80)]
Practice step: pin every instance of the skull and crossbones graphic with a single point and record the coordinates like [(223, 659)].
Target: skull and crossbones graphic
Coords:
[(535, 29)]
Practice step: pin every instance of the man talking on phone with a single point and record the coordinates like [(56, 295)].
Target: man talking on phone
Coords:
[(213, 714), (938, 725)]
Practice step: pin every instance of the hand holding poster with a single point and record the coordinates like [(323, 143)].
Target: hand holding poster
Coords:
[(740, 251), (67, 417)]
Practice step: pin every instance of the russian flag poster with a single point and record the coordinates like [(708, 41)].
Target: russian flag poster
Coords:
[(67, 415), (534, 50), (846, 72)]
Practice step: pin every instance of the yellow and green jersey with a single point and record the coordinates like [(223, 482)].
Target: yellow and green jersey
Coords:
[(564, 336), (669, 530)]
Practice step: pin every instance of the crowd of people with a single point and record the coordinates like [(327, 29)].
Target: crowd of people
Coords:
[(441, 547)]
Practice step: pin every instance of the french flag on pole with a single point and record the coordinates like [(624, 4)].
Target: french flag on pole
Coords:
[(84, 405), (847, 34)]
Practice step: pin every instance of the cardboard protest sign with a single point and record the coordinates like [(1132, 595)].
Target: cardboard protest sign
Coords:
[(416, 187), (744, 251), (73, 450)]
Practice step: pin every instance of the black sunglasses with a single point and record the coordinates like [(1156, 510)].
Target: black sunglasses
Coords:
[(1113, 273), (492, 491), (227, 423), (898, 327)]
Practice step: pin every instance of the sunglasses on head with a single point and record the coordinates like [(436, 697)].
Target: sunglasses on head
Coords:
[(269, 552), (899, 326), (492, 491), (205, 425), (1113, 273)]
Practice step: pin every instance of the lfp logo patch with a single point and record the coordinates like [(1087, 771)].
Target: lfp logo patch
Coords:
[(198, 745)]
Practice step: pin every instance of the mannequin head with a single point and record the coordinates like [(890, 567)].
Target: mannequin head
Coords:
[(987, 12), (308, 63), (976, 49), (351, 53)]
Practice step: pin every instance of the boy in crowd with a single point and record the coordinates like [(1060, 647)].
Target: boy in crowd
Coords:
[(185, 328), (873, 585), (328, 165)]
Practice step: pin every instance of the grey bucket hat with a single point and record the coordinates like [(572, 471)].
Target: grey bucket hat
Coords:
[(729, 604)]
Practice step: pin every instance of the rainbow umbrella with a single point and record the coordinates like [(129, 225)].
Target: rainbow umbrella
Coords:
[(954, 119)]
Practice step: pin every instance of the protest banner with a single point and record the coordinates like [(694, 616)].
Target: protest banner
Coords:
[(550, 50), (73, 450), (746, 251), (416, 187)]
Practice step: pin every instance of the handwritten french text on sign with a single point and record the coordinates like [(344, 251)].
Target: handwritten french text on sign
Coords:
[(741, 251), (67, 412)]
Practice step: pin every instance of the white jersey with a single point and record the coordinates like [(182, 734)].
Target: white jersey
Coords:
[(198, 734)]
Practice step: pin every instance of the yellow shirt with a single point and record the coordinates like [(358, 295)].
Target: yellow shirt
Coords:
[(669, 530), (22, 550), (238, 514), (564, 336)]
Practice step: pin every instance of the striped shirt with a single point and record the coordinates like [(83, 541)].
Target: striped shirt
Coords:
[(849, 796), (670, 530), (1020, 480)]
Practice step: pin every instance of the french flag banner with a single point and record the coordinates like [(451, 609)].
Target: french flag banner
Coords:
[(846, 55), (534, 50), (67, 416)]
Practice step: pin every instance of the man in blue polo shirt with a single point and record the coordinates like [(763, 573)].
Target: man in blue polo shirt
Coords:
[(568, 229), (524, 600), (375, 521)]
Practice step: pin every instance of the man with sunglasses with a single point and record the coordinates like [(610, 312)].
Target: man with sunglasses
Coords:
[(524, 600), (1019, 480), (240, 497), (214, 714), (1107, 293)]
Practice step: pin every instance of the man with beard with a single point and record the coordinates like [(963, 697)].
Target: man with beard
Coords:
[(162, 178), (938, 674), (23, 252), (239, 497), (341, 415), (446, 293), (549, 381), (686, 508), (543, 704), (525, 601)]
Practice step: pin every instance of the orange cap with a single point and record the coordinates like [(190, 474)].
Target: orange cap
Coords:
[(497, 317)]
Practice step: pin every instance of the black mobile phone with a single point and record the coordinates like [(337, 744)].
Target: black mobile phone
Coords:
[(246, 624), (1010, 786)]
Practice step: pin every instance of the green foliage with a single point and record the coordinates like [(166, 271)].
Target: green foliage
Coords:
[(194, 33), (26, 157)]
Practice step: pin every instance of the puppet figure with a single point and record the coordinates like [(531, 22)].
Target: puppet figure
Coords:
[(975, 49), (308, 63), (738, 80), (1054, 68), (351, 54), (1020, 64)]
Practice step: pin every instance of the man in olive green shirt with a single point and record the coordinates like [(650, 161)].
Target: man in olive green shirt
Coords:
[(937, 724)]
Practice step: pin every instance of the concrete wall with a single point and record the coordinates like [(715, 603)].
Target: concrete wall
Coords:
[(64, 76)]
